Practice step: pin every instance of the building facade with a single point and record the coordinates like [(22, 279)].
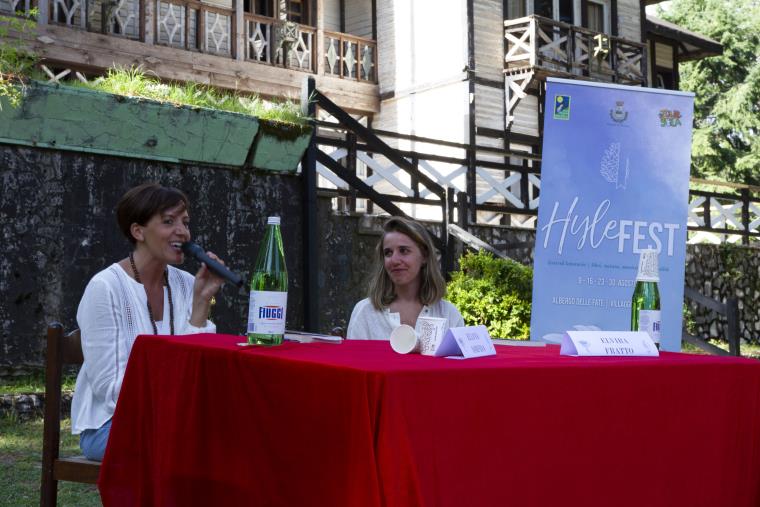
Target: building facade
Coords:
[(471, 73)]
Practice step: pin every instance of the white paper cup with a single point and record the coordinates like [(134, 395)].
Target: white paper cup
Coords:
[(404, 340), (430, 331)]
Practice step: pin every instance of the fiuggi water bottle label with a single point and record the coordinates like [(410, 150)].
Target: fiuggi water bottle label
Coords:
[(649, 322), (266, 312)]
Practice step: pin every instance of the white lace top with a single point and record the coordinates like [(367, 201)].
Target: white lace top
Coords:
[(112, 313)]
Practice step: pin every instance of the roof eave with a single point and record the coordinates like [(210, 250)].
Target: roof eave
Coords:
[(703, 46)]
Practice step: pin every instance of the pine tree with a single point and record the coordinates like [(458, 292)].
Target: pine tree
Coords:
[(726, 141)]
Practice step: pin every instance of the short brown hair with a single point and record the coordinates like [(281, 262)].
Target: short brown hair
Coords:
[(140, 203), (432, 286)]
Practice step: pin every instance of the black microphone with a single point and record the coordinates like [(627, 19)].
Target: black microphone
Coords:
[(194, 250)]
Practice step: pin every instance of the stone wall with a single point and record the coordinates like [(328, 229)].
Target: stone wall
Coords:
[(722, 271), (25, 407), (58, 228)]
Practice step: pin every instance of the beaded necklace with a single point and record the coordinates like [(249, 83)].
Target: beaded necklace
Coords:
[(168, 291)]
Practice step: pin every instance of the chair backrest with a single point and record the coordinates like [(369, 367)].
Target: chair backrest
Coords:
[(339, 331), (71, 348), (62, 349)]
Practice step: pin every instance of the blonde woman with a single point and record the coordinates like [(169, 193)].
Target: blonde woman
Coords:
[(407, 283)]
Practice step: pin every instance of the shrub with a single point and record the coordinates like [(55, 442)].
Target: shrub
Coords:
[(15, 60), (493, 292), (133, 82)]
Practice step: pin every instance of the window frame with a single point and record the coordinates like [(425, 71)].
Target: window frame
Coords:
[(606, 14)]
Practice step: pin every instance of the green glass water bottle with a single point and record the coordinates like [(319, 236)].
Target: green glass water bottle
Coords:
[(645, 304), (269, 290)]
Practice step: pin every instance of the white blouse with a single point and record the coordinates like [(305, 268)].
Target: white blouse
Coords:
[(369, 323), (112, 313)]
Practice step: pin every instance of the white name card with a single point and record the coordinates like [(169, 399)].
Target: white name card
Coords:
[(468, 341), (608, 343)]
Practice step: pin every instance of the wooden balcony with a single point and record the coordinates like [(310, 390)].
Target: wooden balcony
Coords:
[(188, 40), (552, 48), (16, 6)]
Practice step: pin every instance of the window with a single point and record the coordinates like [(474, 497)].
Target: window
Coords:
[(516, 9), (566, 11), (596, 16), (664, 78), (263, 7), (297, 11), (543, 8), (260, 7), (558, 10)]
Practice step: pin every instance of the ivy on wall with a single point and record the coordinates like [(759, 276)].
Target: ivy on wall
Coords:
[(15, 60)]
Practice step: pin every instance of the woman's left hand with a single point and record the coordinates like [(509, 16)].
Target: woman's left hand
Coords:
[(206, 285)]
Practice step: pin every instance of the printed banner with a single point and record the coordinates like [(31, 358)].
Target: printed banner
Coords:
[(614, 181)]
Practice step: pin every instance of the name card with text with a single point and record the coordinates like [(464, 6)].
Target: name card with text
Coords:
[(468, 341), (608, 343)]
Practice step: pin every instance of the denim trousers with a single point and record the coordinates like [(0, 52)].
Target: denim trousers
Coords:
[(93, 442)]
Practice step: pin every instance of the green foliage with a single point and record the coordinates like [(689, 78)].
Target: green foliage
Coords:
[(15, 60), (136, 83), (689, 324), (736, 268), (493, 292), (33, 383), (727, 87), (20, 455), (732, 261)]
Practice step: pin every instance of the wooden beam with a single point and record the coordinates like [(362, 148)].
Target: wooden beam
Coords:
[(148, 12), (705, 301), (77, 470), (704, 345), (240, 42), (320, 39)]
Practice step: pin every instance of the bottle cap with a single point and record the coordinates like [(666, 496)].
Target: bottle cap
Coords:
[(273, 221), (649, 270)]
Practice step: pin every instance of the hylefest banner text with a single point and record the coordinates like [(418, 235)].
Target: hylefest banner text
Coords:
[(614, 180)]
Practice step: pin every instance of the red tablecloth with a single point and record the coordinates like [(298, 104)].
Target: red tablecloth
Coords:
[(201, 421)]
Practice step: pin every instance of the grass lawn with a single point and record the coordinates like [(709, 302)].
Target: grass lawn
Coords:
[(751, 351), (34, 383), (20, 468)]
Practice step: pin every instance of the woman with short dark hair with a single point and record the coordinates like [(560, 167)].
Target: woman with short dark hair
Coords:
[(140, 294), (407, 283)]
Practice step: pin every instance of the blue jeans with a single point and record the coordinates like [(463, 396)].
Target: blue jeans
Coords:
[(93, 442)]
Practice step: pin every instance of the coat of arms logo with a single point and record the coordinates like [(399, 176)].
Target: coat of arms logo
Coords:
[(618, 114)]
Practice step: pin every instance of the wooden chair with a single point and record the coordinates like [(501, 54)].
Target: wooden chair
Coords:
[(61, 350)]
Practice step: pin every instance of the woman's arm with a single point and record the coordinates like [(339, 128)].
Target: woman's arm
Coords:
[(103, 342), (184, 285), (205, 286), (358, 325)]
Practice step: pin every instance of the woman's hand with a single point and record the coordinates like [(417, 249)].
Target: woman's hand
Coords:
[(206, 285)]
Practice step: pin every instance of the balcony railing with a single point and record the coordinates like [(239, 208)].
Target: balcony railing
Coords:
[(16, 6), (114, 17), (350, 57), (264, 44), (197, 26), (553, 47), (179, 23)]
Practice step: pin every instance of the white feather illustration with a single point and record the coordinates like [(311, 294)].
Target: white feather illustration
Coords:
[(610, 166)]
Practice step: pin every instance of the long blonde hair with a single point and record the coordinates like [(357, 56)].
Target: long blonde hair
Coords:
[(432, 285)]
